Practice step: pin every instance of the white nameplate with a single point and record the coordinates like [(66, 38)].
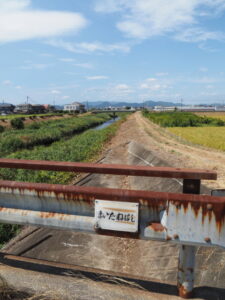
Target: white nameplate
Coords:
[(115, 215)]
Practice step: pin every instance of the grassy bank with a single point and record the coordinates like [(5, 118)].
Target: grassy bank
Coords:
[(27, 116), (83, 147), (45, 133)]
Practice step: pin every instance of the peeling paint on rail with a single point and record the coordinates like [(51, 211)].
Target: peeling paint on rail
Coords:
[(182, 210)]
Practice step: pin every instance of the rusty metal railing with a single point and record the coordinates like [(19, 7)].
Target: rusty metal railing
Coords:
[(187, 219)]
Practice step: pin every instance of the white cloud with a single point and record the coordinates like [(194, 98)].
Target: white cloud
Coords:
[(18, 87), (122, 87), (180, 18), (195, 34), (7, 82), (84, 65), (204, 80), (98, 77), (90, 47), (67, 59), (46, 54), (65, 97), (162, 74), (55, 92), (153, 84), (203, 46), (18, 21), (31, 66)]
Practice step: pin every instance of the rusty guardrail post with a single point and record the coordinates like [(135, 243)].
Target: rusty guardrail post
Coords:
[(186, 263)]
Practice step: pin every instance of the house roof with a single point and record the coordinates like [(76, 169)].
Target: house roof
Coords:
[(5, 104), (75, 103)]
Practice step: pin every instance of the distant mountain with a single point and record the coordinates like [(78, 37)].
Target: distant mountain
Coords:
[(150, 103), (59, 107)]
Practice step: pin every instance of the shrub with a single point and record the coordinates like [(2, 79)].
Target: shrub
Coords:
[(17, 123), (2, 128)]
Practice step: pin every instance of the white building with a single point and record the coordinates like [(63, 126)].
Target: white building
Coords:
[(75, 107)]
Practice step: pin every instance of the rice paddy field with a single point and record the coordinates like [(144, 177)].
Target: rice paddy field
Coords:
[(217, 115), (212, 137), (205, 128)]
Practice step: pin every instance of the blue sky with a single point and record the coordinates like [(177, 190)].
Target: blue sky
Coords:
[(112, 50)]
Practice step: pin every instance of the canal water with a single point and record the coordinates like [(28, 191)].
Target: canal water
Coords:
[(106, 124)]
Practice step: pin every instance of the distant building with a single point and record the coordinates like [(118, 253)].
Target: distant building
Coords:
[(27, 108), (184, 108), (6, 108), (75, 107), (49, 107), (164, 108), (199, 108)]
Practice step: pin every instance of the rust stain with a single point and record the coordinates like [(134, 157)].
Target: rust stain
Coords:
[(157, 227), (209, 206), (115, 169), (207, 240), (183, 293)]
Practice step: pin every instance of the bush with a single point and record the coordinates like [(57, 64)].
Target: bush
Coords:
[(2, 128), (11, 144), (17, 123)]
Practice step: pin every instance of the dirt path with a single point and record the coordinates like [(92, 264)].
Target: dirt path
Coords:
[(171, 148)]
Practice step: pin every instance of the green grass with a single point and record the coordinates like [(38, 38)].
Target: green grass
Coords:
[(13, 116), (45, 133), (82, 147), (182, 119)]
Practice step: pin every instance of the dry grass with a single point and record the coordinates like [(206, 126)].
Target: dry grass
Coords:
[(9, 293), (217, 115)]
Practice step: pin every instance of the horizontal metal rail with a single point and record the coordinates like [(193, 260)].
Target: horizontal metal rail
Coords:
[(188, 219), (180, 218), (114, 169)]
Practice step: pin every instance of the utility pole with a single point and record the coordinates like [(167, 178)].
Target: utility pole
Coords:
[(181, 104)]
